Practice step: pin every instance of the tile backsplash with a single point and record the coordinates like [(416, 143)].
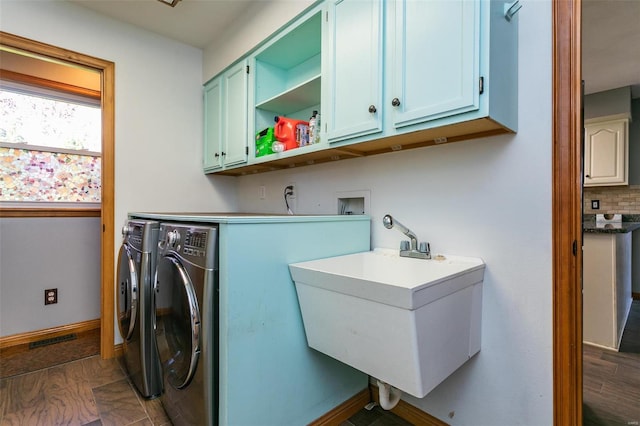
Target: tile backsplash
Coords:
[(621, 199)]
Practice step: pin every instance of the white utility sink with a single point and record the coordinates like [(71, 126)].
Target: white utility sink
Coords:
[(409, 322), (383, 276)]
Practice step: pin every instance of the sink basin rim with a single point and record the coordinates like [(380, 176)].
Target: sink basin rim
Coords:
[(409, 290)]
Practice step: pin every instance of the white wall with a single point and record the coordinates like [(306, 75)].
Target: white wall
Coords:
[(158, 102), (43, 253), (489, 198)]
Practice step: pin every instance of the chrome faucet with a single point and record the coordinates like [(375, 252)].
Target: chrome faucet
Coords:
[(408, 248)]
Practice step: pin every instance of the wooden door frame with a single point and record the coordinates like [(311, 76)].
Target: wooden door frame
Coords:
[(107, 72), (567, 212)]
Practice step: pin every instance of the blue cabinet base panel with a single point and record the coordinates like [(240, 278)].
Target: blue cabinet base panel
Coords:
[(268, 376)]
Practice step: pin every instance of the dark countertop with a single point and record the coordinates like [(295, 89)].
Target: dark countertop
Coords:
[(629, 223)]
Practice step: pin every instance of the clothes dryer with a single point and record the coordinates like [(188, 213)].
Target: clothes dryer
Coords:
[(136, 271), (187, 322)]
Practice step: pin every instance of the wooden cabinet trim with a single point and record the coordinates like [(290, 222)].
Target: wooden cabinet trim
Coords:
[(49, 212)]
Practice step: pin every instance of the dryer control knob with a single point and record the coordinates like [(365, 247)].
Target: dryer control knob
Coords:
[(126, 230), (173, 237)]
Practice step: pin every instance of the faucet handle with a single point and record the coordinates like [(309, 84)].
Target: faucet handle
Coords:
[(404, 245), (424, 248)]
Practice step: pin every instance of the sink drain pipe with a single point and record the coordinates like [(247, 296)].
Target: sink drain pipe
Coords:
[(389, 396)]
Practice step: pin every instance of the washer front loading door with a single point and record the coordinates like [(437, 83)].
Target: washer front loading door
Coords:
[(177, 312), (127, 292)]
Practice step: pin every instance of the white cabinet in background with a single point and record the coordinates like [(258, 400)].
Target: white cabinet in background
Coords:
[(606, 153), (606, 292)]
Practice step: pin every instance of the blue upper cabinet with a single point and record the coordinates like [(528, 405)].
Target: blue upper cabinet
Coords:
[(385, 75), (236, 107), (286, 77), (353, 69), (213, 130), (225, 119), (431, 52), (433, 59), (449, 74)]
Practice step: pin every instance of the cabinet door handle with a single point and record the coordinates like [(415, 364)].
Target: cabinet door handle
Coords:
[(395, 102), (372, 109), (224, 153), (588, 176), (216, 155)]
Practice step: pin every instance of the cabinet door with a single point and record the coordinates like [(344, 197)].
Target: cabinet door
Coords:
[(598, 293), (213, 114), (605, 153), (435, 59), (354, 69), (236, 111)]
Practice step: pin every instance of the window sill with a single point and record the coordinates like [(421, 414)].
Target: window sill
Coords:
[(49, 210)]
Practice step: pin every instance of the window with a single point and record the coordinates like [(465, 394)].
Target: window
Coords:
[(50, 143)]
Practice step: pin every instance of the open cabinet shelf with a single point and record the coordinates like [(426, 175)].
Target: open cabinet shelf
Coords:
[(295, 99)]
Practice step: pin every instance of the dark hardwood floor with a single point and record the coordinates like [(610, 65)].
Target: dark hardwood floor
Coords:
[(611, 380), (22, 359), (91, 391), (66, 383), (375, 417)]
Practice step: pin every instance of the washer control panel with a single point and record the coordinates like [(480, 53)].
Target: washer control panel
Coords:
[(195, 243), (132, 233)]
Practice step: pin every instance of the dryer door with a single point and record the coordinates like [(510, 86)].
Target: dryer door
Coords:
[(127, 292), (178, 320)]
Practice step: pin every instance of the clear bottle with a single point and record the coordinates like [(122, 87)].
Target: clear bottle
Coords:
[(312, 127), (316, 133)]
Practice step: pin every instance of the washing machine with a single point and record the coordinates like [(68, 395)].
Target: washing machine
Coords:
[(187, 322), (136, 272)]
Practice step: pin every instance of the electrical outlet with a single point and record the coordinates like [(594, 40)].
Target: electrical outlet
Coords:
[(595, 204), (263, 192), (51, 296), (290, 197)]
